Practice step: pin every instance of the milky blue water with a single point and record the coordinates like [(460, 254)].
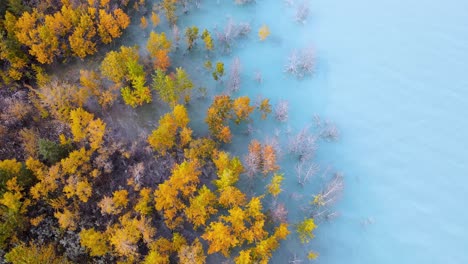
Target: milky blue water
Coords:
[(393, 76)]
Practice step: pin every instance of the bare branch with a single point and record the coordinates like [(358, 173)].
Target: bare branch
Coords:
[(281, 111), (302, 13), (303, 145), (301, 63), (234, 78)]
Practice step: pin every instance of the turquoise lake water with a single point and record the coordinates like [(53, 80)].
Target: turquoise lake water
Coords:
[(393, 77)]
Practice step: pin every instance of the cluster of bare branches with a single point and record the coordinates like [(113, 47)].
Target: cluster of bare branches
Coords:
[(305, 171), (279, 213), (234, 78), (231, 32), (175, 36), (301, 63), (302, 12), (243, 2), (281, 111), (323, 201), (327, 130), (258, 77), (303, 144), (252, 164)]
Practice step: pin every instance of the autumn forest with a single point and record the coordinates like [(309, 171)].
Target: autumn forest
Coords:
[(74, 190)]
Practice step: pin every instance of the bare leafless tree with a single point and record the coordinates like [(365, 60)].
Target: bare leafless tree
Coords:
[(230, 33), (253, 164), (243, 2), (303, 144), (301, 63), (302, 13), (279, 213), (258, 77), (305, 171), (281, 111), (323, 201), (234, 78)]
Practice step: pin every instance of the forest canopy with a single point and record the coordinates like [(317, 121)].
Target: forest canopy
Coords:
[(75, 189)]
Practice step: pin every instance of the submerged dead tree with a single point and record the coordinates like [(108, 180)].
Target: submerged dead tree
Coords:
[(305, 171), (303, 145), (302, 13), (230, 33), (281, 111), (234, 77), (301, 63), (321, 207)]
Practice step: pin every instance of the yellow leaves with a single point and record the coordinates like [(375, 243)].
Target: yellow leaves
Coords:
[(269, 159), (159, 46), (79, 121), (114, 205), (155, 19), (67, 219), (275, 186), (181, 117), (36, 220), (312, 255), (104, 3), (242, 108), (201, 207), (10, 166), (111, 25), (236, 218), (223, 162), (220, 238), (305, 229), (84, 126), (76, 162), (120, 198), (163, 138), (182, 183), (263, 32), (34, 254), (200, 149), (114, 65), (244, 257), (178, 241), (124, 236), (155, 257), (83, 190), (94, 241), (12, 200), (231, 196), (143, 22), (281, 232), (81, 42), (25, 27), (206, 37), (122, 19), (143, 205), (185, 136), (254, 208)]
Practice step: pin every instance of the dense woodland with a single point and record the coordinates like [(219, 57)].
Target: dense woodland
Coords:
[(72, 190)]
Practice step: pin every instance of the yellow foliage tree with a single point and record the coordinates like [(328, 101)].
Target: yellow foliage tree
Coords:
[(305, 229), (220, 238), (274, 188), (263, 32), (202, 207), (94, 241), (155, 19)]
